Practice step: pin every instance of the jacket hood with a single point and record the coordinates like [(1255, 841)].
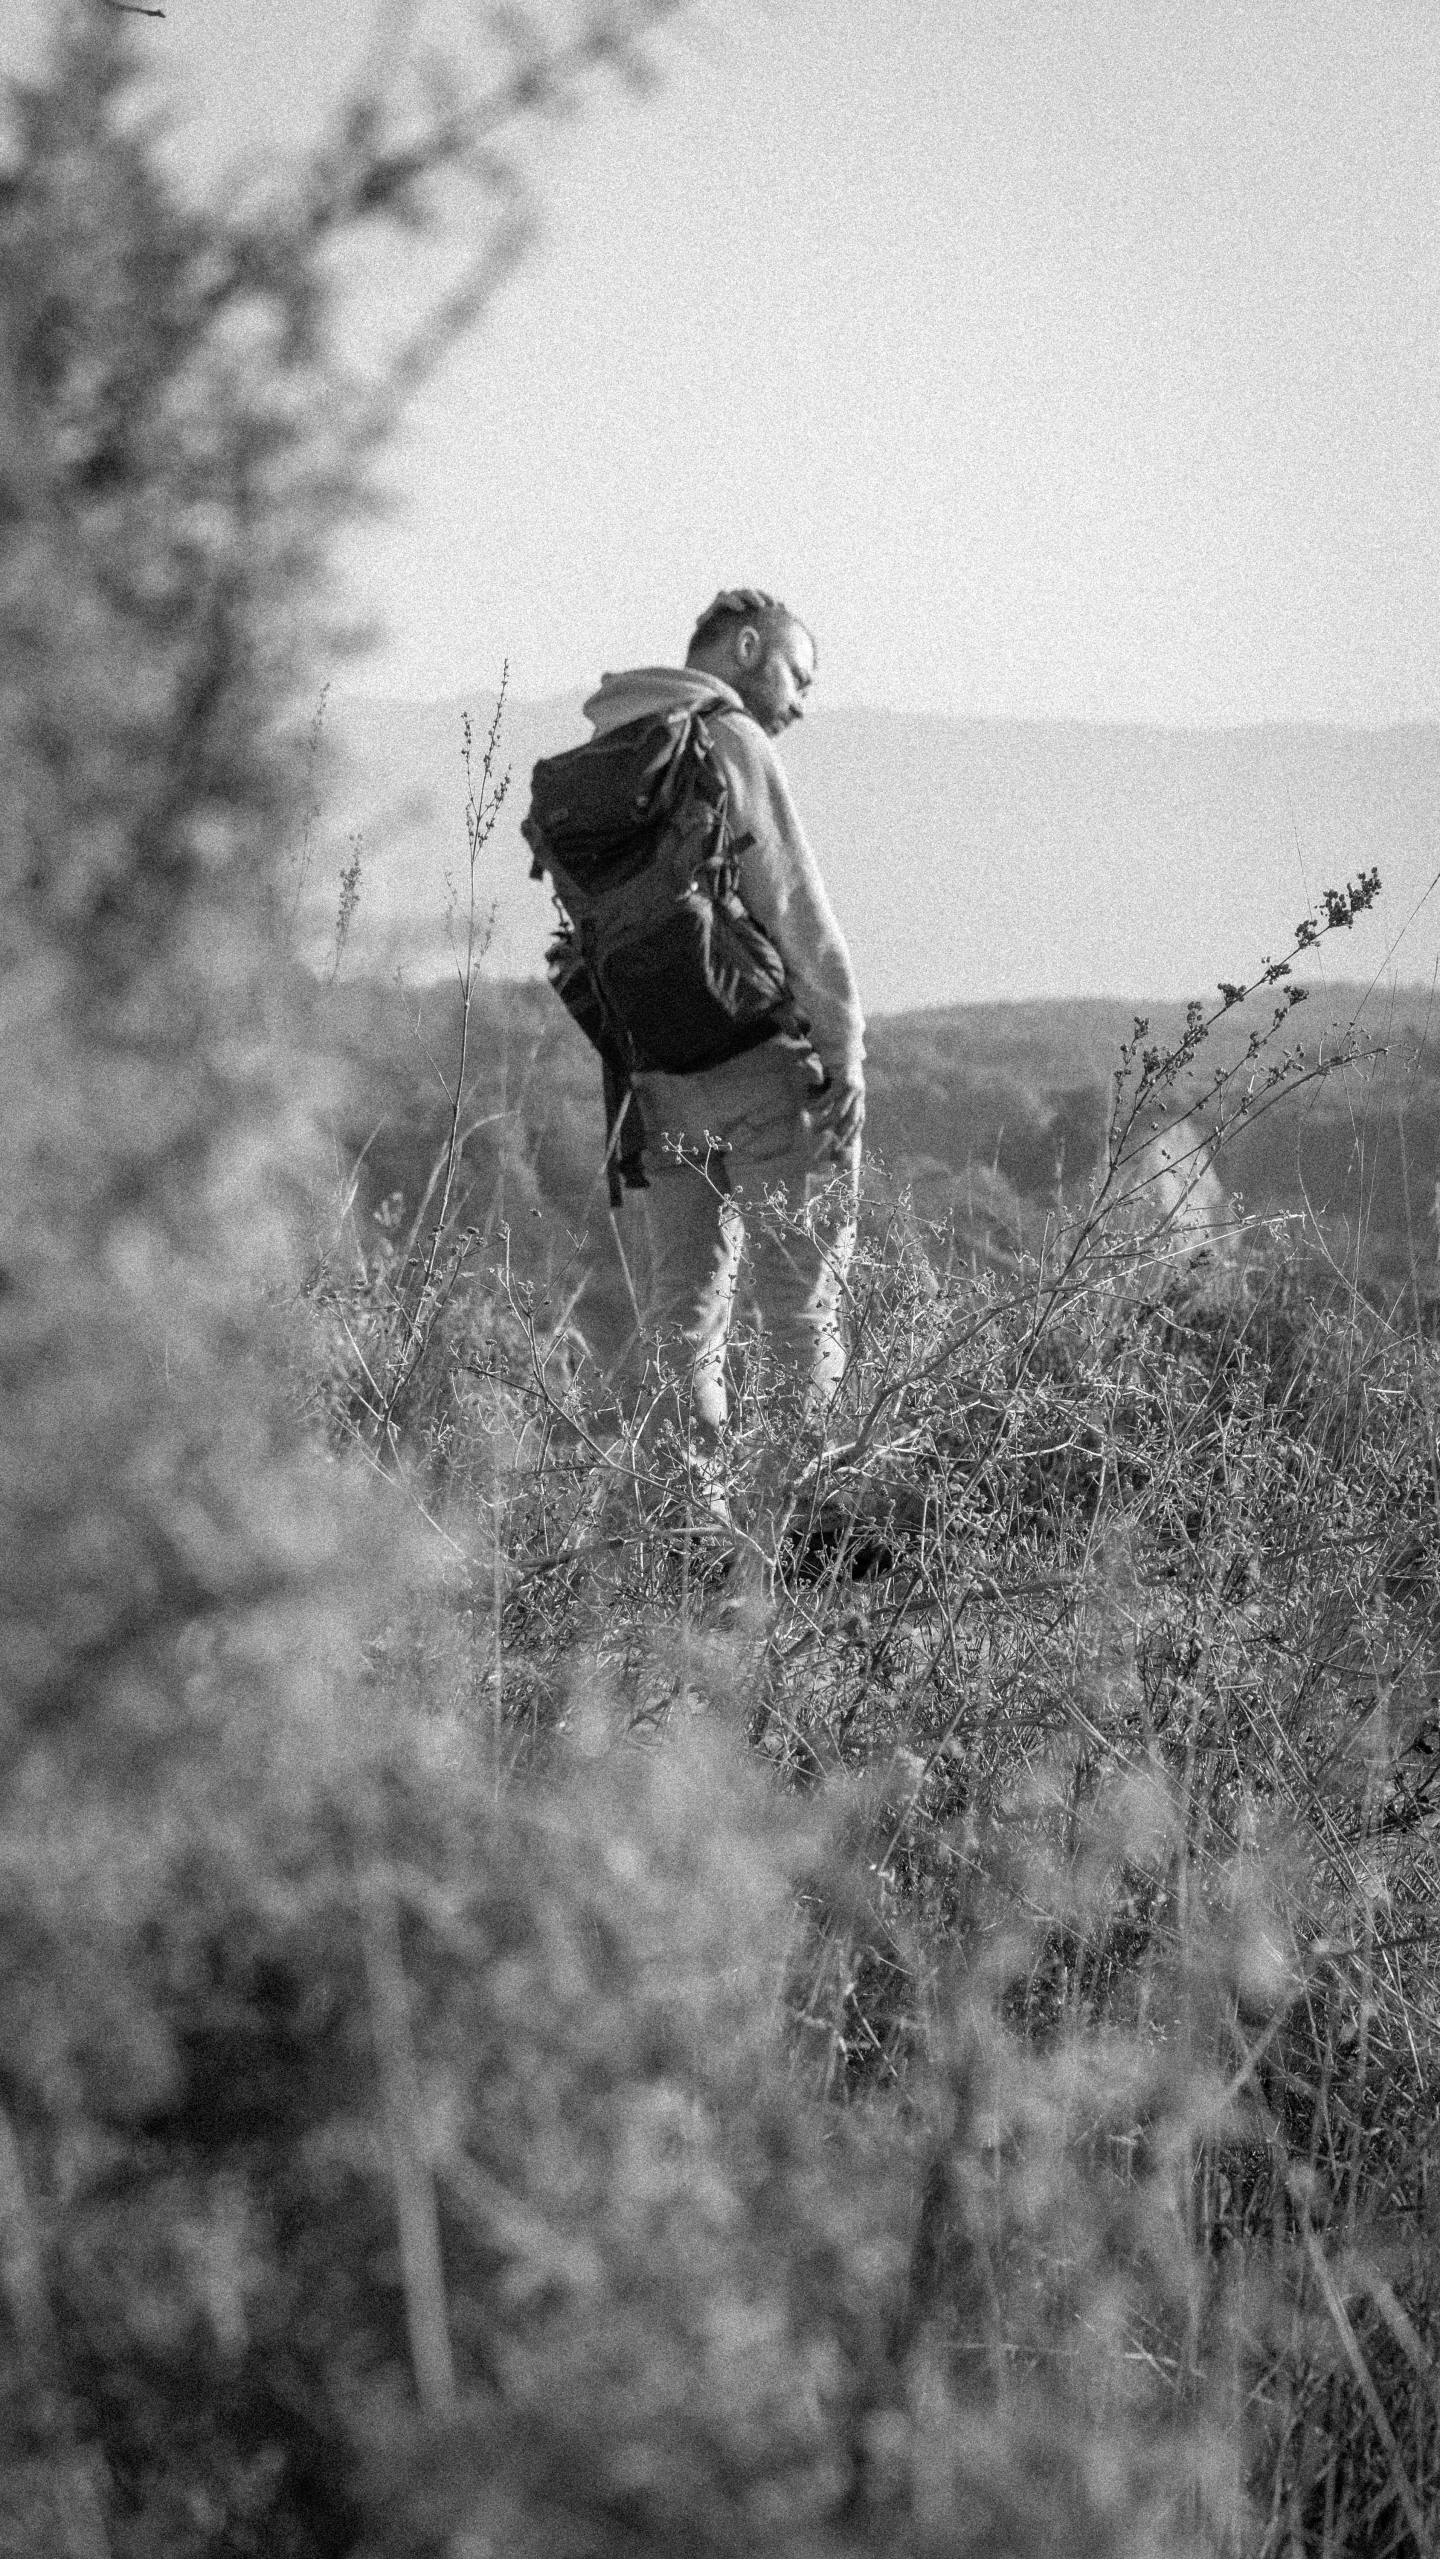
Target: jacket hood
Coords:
[(644, 689)]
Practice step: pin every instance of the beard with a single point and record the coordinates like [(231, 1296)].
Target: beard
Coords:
[(765, 704)]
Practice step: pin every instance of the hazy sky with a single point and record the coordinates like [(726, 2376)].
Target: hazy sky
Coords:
[(1068, 357)]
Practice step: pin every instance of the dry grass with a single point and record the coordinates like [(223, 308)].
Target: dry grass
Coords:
[(1101, 1658)]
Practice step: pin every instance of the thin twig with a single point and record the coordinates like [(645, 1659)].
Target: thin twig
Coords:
[(417, 2213)]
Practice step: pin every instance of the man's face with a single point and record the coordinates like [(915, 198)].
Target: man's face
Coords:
[(774, 683)]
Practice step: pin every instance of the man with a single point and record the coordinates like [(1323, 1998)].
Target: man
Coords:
[(785, 1116)]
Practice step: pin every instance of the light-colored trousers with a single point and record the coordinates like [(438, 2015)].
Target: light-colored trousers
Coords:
[(720, 1146)]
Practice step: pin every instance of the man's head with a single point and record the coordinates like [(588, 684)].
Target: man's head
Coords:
[(757, 647)]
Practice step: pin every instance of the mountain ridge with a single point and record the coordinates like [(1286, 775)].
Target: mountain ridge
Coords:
[(461, 700), (968, 860)]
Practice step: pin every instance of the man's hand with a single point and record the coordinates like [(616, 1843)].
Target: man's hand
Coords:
[(839, 1108)]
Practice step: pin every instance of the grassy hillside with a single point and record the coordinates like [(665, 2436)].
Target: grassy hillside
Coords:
[(989, 1116), (1023, 1090), (1045, 2156)]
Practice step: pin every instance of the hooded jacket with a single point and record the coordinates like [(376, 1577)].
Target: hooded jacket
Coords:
[(779, 877)]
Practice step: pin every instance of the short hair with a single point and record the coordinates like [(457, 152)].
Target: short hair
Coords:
[(733, 608)]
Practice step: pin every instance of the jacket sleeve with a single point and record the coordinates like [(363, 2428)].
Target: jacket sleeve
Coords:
[(780, 885)]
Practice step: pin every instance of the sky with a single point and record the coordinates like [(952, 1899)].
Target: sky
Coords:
[(1054, 358)]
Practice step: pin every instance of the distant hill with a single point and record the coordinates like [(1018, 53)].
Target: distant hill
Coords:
[(969, 860), (985, 1115)]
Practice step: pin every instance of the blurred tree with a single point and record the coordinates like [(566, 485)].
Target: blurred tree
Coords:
[(181, 437)]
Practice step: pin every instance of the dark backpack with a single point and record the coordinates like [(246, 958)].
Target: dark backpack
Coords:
[(656, 957)]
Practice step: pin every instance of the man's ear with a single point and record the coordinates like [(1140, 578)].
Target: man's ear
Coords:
[(747, 646)]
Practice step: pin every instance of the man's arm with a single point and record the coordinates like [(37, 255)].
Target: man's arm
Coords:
[(780, 885)]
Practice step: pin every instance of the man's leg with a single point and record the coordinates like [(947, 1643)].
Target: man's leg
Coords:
[(799, 1272), (798, 1254), (696, 1239), (743, 1138)]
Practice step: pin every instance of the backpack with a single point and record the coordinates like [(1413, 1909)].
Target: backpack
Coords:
[(656, 957)]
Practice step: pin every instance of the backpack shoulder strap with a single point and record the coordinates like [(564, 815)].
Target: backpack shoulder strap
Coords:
[(716, 709)]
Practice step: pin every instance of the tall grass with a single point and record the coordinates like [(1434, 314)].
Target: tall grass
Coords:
[(1098, 1677)]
